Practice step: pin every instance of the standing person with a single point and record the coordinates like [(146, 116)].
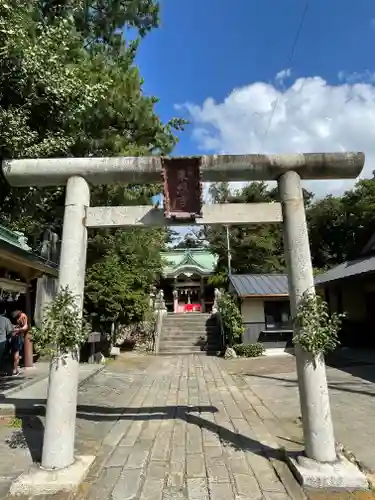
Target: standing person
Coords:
[(6, 330), (19, 331)]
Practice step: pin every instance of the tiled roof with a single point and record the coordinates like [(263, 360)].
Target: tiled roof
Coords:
[(260, 284), (178, 259), (15, 244), (348, 269)]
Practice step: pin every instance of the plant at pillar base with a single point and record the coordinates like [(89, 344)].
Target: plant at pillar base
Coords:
[(63, 330), (316, 330), (231, 319)]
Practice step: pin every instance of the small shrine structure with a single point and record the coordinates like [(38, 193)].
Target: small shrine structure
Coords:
[(185, 279)]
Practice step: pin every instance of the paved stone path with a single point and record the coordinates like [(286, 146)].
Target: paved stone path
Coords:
[(352, 395), (169, 428), (182, 429), (21, 436), (9, 383)]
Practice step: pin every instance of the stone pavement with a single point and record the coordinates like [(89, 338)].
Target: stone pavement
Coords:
[(164, 428), (352, 395), (21, 435), (181, 429), (172, 428), (9, 384), (32, 396)]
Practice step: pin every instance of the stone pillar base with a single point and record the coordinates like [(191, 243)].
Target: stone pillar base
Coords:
[(336, 475), (38, 481)]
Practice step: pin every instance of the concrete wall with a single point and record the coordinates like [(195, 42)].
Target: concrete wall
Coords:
[(252, 310)]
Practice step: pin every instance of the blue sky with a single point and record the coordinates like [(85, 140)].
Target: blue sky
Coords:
[(207, 48), (229, 65)]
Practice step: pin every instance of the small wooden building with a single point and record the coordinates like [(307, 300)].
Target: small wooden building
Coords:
[(20, 271), (350, 288), (264, 304)]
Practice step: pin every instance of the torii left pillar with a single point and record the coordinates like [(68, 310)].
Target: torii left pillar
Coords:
[(59, 434)]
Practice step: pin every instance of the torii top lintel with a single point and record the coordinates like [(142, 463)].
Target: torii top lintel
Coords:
[(213, 168)]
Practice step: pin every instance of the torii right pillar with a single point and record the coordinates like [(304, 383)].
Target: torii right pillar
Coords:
[(320, 466)]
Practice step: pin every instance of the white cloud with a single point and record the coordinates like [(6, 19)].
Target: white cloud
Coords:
[(366, 76), (283, 74), (310, 116)]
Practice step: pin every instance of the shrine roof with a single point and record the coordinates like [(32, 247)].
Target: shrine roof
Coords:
[(16, 254), (199, 260)]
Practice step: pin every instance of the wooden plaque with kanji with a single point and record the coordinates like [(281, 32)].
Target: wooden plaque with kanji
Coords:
[(182, 188)]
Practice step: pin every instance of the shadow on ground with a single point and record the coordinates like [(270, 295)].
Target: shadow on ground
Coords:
[(344, 386), (354, 362), (30, 434)]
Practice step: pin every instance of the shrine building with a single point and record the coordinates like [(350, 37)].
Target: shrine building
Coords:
[(185, 279), (20, 271)]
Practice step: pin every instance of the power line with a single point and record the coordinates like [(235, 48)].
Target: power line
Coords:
[(294, 45)]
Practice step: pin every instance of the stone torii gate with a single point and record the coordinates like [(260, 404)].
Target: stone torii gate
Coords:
[(288, 170)]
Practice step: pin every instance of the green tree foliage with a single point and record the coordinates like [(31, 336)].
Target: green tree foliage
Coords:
[(327, 232), (191, 241), (340, 227), (118, 284), (69, 87), (316, 329), (231, 319), (101, 20), (63, 330), (253, 249)]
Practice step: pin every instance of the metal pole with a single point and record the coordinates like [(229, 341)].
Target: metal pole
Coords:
[(228, 253)]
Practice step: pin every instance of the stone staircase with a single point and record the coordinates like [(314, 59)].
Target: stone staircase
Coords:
[(188, 334)]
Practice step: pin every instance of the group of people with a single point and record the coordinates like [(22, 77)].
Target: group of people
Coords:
[(12, 334)]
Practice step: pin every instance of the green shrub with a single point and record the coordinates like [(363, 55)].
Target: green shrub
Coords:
[(63, 330), (231, 319), (249, 350), (316, 329)]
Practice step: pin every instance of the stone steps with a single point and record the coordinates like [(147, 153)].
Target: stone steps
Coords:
[(187, 334), (187, 353), (177, 348), (186, 343), (192, 332), (186, 338), (187, 324), (187, 318)]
